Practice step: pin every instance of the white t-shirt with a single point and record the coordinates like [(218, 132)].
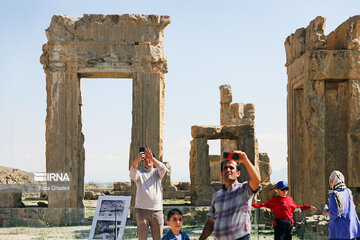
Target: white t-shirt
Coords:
[(178, 237), (149, 194)]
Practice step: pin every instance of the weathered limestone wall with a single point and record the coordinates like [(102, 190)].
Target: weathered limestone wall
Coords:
[(233, 114), (201, 191), (236, 132), (100, 46), (264, 167), (11, 198), (215, 162), (323, 108)]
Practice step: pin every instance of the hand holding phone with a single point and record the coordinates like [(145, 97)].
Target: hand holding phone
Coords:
[(231, 156), (142, 153)]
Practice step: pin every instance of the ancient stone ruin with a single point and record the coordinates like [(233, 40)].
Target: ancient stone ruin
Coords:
[(323, 109), (237, 114), (237, 132), (99, 46)]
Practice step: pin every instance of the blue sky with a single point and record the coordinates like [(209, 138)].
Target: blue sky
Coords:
[(207, 44)]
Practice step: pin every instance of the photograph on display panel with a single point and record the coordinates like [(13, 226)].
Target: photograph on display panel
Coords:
[(110, 217), (109, 207), (105, 229)]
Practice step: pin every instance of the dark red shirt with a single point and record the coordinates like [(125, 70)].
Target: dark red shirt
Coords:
[(282, 207)]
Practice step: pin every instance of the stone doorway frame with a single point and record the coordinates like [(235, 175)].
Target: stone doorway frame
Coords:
[(99, 46), (201, 190)]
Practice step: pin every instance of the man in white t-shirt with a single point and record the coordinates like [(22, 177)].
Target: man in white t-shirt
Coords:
[(149, 196)]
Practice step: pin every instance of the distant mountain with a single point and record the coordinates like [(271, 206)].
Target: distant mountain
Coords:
[(280, 175)]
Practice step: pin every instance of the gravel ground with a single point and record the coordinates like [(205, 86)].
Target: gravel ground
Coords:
[(82, 232)]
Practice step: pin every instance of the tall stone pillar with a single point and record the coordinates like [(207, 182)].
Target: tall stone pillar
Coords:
[(235, 114), (353, 137), (199, 166), (314, 140), (64, 148), (296, 135), (148, 118), (226, 145)]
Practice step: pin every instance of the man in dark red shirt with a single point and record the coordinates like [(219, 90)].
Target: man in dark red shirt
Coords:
[(283, 207)]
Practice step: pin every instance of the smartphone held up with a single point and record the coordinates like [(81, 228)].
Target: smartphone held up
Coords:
[(231, 156)]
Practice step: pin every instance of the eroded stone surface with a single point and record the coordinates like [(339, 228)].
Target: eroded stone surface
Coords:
[(200, 188), (11, 198), (100, 46), (346, 36), (264, 167), (236, 133), (215, 162), (323, 108), (221, 132)]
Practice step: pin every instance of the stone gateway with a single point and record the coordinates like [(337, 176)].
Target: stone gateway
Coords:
[(99, 46)]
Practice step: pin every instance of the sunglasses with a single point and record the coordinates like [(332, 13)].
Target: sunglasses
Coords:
[(284, 189)]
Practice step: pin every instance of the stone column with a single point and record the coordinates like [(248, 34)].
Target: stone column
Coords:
[(64, 138), (215, 162), (336, 127), (354, 134), (314, 145), (200, 192), (226, 145), (248, 144), (296, 167), (225, 101), (264, 167), (147, 116), (148, 113)]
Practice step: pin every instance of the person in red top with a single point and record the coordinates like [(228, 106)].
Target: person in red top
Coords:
[(283, 207)]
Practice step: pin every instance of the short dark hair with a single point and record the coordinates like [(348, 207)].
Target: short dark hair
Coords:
[(228, 160), (173, 212)]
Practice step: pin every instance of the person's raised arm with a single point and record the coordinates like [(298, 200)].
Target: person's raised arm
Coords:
[(149, 155), (138, 159), (254, 181), (133, 170), (160, 166), (208, 229)]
